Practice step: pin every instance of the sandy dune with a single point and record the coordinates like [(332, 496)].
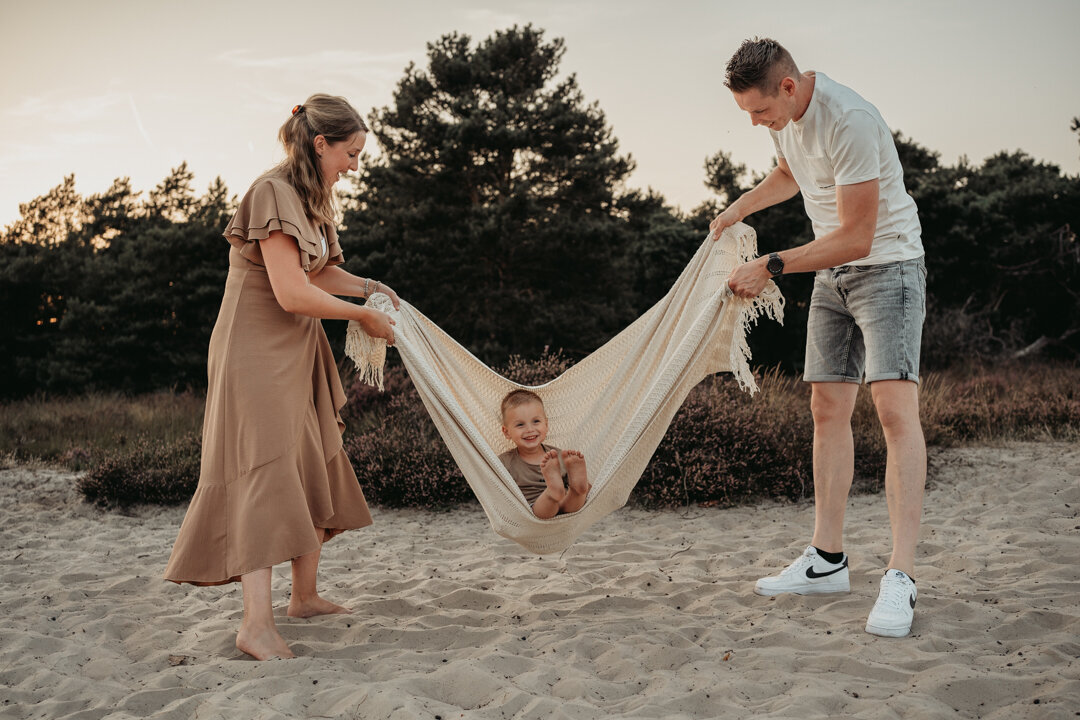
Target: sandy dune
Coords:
[(650, 615)]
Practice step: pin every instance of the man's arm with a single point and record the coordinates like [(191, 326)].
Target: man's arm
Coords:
[(778, 186), (857, 206)]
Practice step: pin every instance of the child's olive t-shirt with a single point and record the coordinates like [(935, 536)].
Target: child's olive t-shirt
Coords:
[(528, 476)]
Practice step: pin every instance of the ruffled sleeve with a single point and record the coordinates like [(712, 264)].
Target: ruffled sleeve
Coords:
[(272, 204)]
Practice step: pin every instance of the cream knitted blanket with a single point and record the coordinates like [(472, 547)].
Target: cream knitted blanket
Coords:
[(614, 405)]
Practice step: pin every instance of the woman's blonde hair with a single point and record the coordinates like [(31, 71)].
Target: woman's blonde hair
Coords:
[(336, 120)]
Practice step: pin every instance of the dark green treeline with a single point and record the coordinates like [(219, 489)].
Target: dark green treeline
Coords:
[(498, 207)]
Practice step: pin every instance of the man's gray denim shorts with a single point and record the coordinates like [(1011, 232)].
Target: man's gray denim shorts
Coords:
[(866, 323)]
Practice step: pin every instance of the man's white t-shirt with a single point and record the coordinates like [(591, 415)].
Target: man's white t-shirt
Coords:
[(842, 139)]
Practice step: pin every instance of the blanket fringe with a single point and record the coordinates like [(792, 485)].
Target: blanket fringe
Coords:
[(770, 303), (367, 352)]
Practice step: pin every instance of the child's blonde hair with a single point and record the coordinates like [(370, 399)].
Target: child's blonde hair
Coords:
[(517, 398)]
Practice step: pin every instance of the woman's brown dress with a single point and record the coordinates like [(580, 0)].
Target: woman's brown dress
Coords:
[(273, 466)]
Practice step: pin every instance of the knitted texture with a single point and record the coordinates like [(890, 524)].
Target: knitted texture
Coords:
[(614, 405)]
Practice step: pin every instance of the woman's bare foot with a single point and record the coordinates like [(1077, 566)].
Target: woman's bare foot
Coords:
[(552, 473), (263, 643), (314, 606)]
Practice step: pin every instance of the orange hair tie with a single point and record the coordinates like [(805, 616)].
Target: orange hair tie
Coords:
[(297, 108)]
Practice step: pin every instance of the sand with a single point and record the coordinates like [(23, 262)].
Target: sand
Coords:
[(649, 615)]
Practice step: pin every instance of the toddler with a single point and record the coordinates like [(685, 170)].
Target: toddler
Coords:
[(552, 480)]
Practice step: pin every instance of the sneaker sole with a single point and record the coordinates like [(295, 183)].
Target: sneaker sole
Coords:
[(820, 589), (888, 632)]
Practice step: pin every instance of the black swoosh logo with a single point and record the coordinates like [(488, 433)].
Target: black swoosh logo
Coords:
[(911, 600), (811, 573)]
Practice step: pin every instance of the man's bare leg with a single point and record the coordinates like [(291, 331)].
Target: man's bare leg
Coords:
[(834, 460), (897, 403)]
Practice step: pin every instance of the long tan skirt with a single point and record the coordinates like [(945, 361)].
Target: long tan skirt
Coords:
[(274, 473)]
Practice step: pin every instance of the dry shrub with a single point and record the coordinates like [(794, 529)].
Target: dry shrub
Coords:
[(403, 462), (724, 447), (549, 366), (953, 334), (367, 404), (148, 470), (1017, 401), (76, 432)]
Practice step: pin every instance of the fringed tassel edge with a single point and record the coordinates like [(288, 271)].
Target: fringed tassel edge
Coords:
[(770, 302), (367, 352)]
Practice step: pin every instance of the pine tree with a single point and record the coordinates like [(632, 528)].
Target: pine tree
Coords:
[(493, 205)]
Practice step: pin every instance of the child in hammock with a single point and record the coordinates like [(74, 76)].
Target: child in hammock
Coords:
[(552, 480)]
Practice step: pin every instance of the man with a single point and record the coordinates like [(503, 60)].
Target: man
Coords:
[(866, 312)]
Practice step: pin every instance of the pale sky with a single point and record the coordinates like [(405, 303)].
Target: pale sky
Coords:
[(115, 88)]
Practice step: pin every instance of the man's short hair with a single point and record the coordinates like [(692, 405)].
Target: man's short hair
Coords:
[(759, 64), (516, 398)]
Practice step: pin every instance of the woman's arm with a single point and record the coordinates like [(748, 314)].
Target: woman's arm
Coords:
[(338, 281), (296, 295)]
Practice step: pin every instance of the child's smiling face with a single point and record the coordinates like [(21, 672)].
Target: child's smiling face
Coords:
[(526, 426)]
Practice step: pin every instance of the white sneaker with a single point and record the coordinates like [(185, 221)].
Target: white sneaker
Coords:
[(810, 574), (895, 606)]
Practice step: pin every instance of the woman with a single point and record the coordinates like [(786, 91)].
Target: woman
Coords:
[(275, 482)]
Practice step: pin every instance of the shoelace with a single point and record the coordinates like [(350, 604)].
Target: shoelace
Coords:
[(799, 565), (894, 593)]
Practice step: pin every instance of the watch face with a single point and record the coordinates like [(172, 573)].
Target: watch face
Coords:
[(775, 266)]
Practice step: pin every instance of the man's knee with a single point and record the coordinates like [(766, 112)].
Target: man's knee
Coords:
[(897, 404), (833, 402)]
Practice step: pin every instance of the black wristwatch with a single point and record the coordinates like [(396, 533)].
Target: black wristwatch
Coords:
[(775, 266)]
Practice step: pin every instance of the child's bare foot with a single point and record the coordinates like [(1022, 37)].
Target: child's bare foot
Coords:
[(549, 466), (262, 643), (576, 476), (314, 606)]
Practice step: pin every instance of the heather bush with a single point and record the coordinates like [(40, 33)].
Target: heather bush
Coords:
[(723, 447), (367, 405), (403, 462), (536, 372), (726, 448), (148, 470)]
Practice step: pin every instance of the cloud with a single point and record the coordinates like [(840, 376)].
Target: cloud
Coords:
[(549, 13), (324, 61), (52, 149), (494, 18), (273, 81), (138, 120), (65, 108)]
